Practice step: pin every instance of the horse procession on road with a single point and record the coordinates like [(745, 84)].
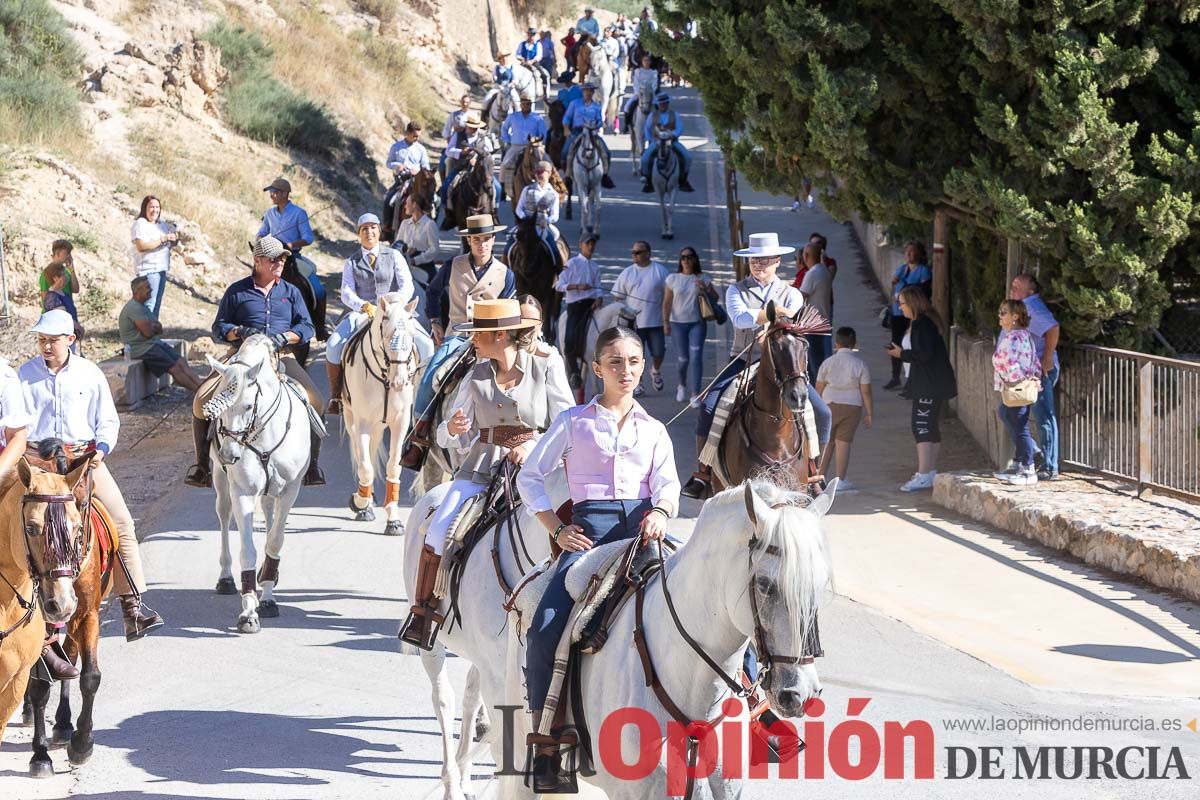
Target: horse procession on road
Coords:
[(543, 488)]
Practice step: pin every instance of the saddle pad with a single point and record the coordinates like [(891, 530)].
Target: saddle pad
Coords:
[(710, 454), (107, 538), (468, 514), (599, 561), (314, 419)]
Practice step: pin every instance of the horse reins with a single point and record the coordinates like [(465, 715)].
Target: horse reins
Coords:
[(66, 557), (254, 429), (381, 370)]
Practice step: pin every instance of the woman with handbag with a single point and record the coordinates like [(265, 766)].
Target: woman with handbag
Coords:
[(931, 382), (1018, 379), (689, 303)]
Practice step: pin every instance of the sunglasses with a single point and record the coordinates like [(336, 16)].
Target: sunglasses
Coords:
[(689, 256), (639, 252)]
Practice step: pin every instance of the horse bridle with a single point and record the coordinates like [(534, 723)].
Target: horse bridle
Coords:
[(248, 435), (381, 370), (66, 556)]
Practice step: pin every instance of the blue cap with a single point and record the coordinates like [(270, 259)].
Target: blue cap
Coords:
[(663, 97)]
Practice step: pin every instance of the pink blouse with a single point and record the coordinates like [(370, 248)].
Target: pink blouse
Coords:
[(1015, 358)]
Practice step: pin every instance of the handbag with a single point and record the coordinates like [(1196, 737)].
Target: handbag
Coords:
[(885, 317), (711, 310), (1021, 393)]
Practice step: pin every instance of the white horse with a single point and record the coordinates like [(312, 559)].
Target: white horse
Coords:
[(755, 538), (664, 175), (600, 72), (641, 113), (481, 638), (260, 450), (498, 104), (378, 396), (527, 84), (587, 168), (603, 318)]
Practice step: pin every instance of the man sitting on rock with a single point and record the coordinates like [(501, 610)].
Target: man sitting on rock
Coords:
[(142, 334)]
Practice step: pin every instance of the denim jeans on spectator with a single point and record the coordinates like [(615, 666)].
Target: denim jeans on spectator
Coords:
[(158, 285), (1046, 420), (1016, 419), (688, 340), (820, 347)]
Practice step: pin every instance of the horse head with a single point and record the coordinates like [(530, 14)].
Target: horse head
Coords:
[(394, 322), (645, 99), (785, 358), (237, 403), (54, 535), (789, 578)]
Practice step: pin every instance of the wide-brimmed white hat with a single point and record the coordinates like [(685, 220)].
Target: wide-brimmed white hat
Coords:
[(765, 245)]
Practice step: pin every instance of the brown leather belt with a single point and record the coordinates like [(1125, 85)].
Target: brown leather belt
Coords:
[(506, 435)]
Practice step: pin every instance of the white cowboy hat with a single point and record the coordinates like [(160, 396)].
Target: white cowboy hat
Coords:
[(496, 315), (765, 245), (472, 121)]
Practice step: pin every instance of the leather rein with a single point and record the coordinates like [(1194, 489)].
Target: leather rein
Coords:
[(381, 369), (254, 429), (60, 570)]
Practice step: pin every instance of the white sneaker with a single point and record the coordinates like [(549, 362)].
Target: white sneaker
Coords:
[(1008, 472), (696, 401), (795, 205), (1024, 476), (680, 394), (656, 380), (919, 482)]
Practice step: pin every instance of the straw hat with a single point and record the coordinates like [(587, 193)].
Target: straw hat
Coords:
[(480, 225), (496, 315), (472, 121), (765, 245)]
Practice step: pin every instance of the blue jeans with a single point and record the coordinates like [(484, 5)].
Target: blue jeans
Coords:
[(685, 159), (603, 521), (688, 340), (704, 420), (654, 340), (1016, 419), (158, 285), (820, 347), (450, 346), (1047, 421)]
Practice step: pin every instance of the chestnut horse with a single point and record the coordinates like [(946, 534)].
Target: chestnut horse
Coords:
[(765, 436), (422, 184)]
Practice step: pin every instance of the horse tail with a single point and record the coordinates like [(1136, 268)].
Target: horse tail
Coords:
[(53, 449)]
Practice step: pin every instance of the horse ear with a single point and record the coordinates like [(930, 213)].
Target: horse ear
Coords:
[(771, 311), (217, 366), (252, 373), (76, 475), (412, 305), (824, 500), (24, 472)]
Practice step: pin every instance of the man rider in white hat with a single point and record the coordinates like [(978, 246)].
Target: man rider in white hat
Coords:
[(68, 399)]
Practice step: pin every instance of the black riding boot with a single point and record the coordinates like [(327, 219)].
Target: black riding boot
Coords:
[(200, 474), (684, 185), (314, 476)]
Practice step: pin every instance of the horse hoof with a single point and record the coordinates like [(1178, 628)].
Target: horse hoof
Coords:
[(79, 754), (41, 769), (249, 625), (364, 514), (226, 586), (394, 528), (62, 735), (27, 716), (268, 608)]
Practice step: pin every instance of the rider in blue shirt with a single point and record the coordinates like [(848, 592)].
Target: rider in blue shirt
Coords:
[(570, 93), (529, 55), (586, 112), (502, 71), (588, 24), (664, 120)]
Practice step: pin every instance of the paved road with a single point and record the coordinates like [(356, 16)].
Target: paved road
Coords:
[(937, 619)]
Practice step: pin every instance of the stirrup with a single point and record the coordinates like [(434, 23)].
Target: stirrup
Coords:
[(414, 454), (547, 772), (199, 477), (421, 627)]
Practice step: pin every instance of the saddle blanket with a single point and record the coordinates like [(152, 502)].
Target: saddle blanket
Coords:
[(590, 580)]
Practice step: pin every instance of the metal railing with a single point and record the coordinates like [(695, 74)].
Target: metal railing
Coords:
[(1131, 416)]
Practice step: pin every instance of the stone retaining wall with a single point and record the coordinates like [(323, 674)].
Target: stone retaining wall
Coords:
[(1095, 521)]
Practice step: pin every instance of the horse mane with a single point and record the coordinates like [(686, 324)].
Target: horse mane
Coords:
[(803, 571), (807, 320), (255, 349)]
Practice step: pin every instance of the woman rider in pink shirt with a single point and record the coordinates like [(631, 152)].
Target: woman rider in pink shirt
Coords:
[(621, 473)]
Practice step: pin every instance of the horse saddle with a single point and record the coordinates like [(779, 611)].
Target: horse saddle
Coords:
[(315, 422)]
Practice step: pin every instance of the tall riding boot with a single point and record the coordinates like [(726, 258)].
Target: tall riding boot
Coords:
[(139, 619), (424, 621), (605, 180), (200, 473), (684, 184), (699, 486), (314, 476), (546, 774), (334, 371), (416, 446), (55, 658)]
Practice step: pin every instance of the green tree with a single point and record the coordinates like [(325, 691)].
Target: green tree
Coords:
[(1069, 125)]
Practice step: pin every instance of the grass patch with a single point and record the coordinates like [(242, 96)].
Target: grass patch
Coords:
[(262, 107), (39, 62), (96, 302), (383, 10), (79, 236)]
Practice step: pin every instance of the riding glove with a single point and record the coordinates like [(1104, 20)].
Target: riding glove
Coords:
[(280, 340), (369, 310)]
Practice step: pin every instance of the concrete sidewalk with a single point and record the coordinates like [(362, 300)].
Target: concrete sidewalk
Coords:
[(1039, 615)]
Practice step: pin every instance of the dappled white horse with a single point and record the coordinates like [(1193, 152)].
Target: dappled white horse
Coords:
[(498, 103), (481, 638), (527, 84), (664, 176), (259, 450), (378, 396), (755, 539), (587, 168), (601, 73)]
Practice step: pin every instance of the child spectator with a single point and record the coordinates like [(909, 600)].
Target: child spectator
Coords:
[(844, 383), (61, 253), (56, 296)]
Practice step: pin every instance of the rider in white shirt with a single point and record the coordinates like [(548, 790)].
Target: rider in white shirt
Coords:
[(539, 201), (70, 401), (417, 239)]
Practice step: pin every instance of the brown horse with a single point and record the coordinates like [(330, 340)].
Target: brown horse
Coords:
[(583, 58), (765, 435), (556, 137), (523, 174), (46, 546), (471, 193), (423, 184)]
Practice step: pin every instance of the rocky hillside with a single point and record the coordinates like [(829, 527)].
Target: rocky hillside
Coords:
[(176, 95)]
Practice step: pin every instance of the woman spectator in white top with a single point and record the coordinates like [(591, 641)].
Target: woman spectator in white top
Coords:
[(640, 286), (152, 243), (417, 239), (580, 283), (683, 323)]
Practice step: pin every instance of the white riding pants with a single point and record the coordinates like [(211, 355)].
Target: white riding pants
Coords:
[(439, 527)]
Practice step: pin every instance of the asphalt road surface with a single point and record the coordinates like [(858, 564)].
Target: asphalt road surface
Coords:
[(955, 622)]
